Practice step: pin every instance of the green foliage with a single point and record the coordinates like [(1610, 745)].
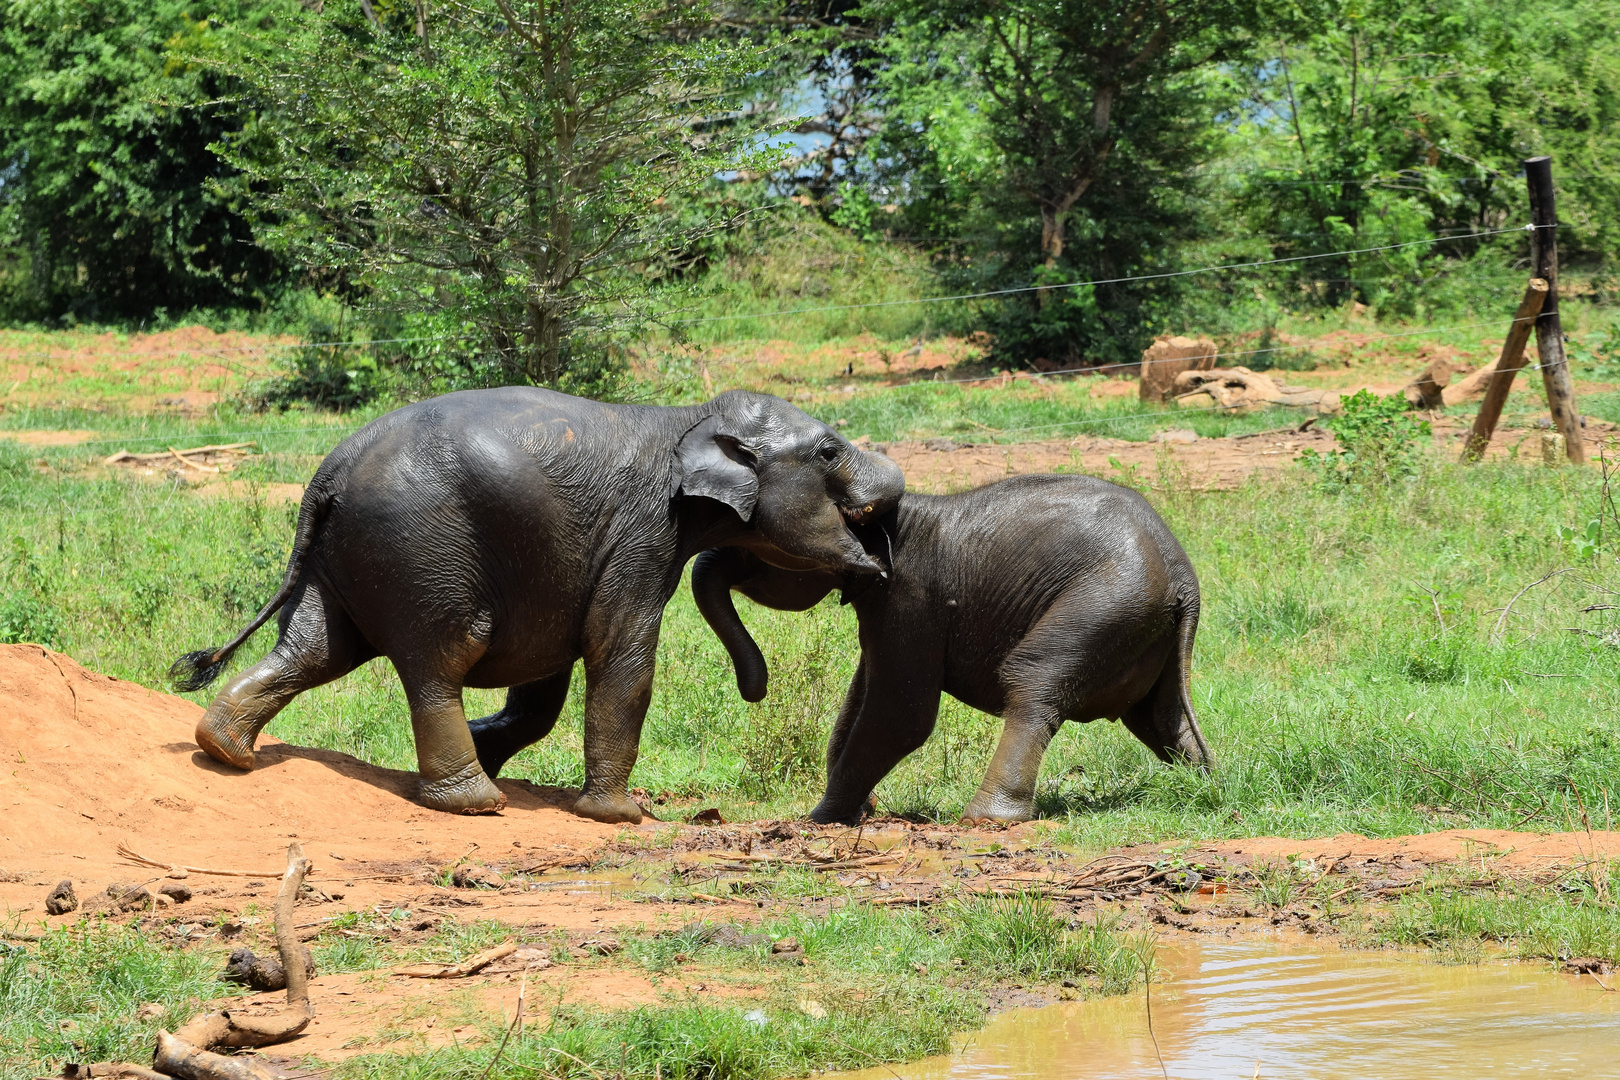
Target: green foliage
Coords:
[(1584, 544), (1378, 442), (112, 207), (1390, 123), (1050, 143), (27, 618), (1596, 355), (472, 165)]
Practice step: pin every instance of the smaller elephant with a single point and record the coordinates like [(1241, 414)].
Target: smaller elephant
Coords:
[(1038, 599)]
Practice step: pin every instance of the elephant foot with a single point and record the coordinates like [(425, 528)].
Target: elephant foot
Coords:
[(827, 813), (985, 806), (609, 809), (469, 791), (226, 743)]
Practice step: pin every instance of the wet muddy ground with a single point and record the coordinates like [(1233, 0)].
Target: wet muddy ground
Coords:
[(1282, 1007)]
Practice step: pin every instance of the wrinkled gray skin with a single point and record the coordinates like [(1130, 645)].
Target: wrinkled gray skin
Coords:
[(493, 537), (1038, 599)]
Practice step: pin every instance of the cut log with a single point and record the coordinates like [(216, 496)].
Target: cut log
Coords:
[(181, 1059), (1427, 388), (1240, 390), (1167, 358)]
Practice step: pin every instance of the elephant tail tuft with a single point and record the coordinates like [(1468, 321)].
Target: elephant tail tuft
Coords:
[(196, 670)]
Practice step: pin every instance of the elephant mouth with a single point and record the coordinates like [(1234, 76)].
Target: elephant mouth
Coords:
[(857, 515), (870, 531)]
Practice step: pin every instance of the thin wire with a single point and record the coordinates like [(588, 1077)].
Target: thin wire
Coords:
[(1111, 281), (1180, 359)]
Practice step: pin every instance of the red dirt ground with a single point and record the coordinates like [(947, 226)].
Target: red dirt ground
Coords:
[(96, 762)]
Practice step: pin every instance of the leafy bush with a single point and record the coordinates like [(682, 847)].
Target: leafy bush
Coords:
[(24, 617), (325, 376), (1378, 442)]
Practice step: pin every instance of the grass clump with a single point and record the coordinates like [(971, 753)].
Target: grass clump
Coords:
[(77, 995), (1575, 916), (1024, 935)]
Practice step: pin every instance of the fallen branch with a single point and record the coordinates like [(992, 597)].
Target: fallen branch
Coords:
[(235, 1030), (182, 459), (125, 455), (144, 861), (180, 1059), (457, 971)]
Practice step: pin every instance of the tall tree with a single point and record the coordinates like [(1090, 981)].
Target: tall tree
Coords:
[(510, 161), (111, 204), (1056, 141), (1062, 81)]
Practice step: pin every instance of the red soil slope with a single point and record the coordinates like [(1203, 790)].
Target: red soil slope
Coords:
[(91, 762)]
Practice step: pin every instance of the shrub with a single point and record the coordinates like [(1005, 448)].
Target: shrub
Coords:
[(27, 618), (1378, 442)]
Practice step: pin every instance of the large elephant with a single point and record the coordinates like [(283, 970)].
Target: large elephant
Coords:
[(1038, 599), (491, 538)]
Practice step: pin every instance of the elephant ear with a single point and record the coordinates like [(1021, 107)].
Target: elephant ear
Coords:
[(716, 465)]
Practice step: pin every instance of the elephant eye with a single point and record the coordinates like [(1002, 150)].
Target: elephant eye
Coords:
[(829, 452)]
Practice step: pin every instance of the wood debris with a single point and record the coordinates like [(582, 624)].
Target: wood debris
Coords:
[(467, 967)]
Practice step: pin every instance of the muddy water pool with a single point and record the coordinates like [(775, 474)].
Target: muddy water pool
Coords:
[(1243, 1009)]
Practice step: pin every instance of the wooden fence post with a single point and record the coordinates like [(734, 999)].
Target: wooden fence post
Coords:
[(1507, 366), (1549, 331)]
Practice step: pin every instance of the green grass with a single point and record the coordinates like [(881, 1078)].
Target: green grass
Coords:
[(875, 987), (75, 996), (1558, 921)]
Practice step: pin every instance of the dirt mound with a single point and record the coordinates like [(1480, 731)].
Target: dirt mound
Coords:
[(96, 762)]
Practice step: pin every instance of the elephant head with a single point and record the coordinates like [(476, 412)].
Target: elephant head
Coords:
[(799, 486)]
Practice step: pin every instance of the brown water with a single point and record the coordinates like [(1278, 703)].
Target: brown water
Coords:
[(1243, 1009)]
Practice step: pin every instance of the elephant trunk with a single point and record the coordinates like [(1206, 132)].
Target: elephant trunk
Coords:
[(874, 486), (712, 577)]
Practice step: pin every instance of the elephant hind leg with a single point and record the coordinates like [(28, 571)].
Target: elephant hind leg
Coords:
[(317, 643), (1067, 667), (1163, 718), (530, 712), (451, 778)]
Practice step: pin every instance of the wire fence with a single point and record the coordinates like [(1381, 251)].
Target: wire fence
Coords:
[(672, 317)]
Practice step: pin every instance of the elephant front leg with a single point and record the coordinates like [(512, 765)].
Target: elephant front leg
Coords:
[(885, 717), (1008, 790), (618, 690), (452, 780)]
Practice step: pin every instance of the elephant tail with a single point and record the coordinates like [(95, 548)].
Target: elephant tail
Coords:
[(1187, 629), (195, 670), (712, 576)]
